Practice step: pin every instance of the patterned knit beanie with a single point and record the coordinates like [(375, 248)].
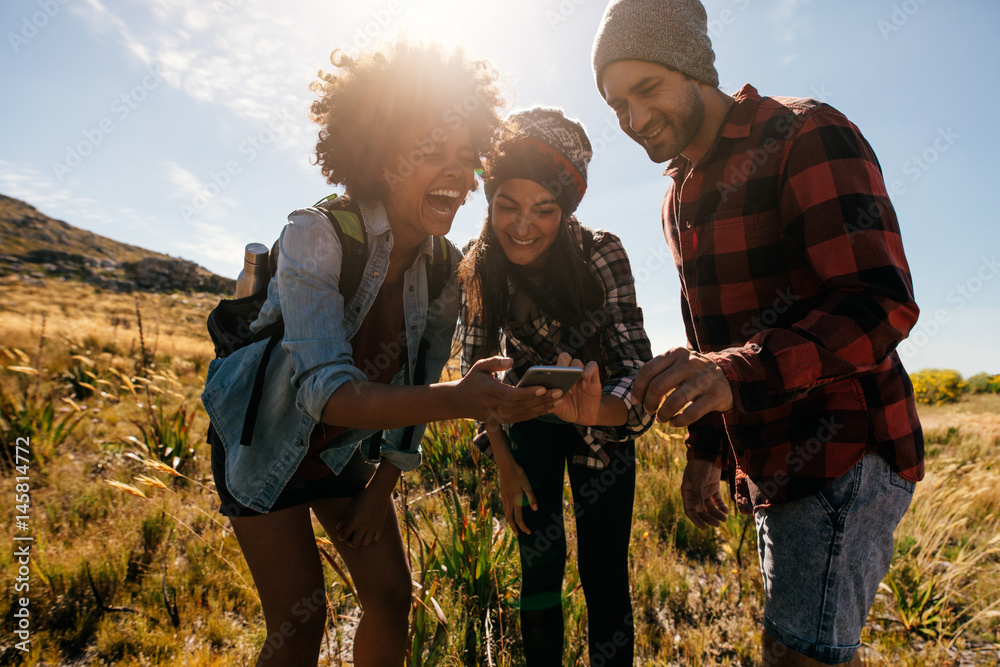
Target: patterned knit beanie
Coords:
[(673, 33), (544, 146)]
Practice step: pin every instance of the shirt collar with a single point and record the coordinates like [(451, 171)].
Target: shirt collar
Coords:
[(737, 125), (376, 221)]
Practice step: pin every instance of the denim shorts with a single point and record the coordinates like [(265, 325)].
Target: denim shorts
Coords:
[(299, 490), (823, 556)]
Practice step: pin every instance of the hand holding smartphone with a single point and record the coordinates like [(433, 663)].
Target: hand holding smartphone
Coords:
[(551, 377)]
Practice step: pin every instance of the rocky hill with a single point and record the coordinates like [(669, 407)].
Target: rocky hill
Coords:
[(33, 245)]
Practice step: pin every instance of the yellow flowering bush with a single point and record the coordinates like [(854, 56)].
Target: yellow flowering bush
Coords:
[(938, 386), (984, 383)]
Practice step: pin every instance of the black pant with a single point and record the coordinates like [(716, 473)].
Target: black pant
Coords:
[(603, 507)]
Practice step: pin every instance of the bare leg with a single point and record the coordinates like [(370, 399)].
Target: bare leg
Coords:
[(382, 579), (280, 549), (777, 654)]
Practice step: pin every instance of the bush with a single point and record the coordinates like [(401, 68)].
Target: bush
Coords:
[(984, 383), (938, 386)]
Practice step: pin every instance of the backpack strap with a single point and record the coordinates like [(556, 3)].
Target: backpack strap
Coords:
[(345, 216), (438, 273)]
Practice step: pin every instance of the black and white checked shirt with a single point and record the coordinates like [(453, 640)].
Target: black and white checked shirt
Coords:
[(538, 339)]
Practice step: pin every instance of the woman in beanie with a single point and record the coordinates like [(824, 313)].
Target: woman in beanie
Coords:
[(558, 293), (389, 135)]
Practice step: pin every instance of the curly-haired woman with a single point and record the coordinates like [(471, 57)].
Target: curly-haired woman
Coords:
[(402, 131), (558, 292)]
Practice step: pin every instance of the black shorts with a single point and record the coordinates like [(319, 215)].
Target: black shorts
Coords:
[(298, 491)]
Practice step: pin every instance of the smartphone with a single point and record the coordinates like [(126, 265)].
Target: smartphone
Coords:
[(551, 377)]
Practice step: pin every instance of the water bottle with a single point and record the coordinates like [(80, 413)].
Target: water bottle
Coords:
[(256, 271)]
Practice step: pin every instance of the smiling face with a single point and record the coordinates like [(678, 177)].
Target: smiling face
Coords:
[(659, 108), (525, 219), (426, 182)]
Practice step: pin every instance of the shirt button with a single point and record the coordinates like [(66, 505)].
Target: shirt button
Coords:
[(375, 273), (413, 328)]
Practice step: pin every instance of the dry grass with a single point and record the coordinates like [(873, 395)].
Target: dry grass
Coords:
[(143, 572)]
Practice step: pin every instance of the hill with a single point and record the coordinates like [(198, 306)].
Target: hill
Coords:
[(35, 246)]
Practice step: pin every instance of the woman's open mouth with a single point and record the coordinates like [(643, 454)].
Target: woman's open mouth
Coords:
[(444, 202)]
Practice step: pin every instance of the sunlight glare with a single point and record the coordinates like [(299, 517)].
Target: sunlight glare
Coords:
[(469, 24)]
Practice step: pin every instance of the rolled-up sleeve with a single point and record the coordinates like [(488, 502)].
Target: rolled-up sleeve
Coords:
[(627, 343), (866, 304), (308, 277)]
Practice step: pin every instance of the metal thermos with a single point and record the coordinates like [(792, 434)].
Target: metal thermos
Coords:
[(256, 271)]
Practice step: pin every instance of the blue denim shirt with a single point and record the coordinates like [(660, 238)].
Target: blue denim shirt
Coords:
[(314, 358)]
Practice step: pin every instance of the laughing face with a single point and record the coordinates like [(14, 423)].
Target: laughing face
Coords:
[(526, 220), (427, 181), (659, 108)]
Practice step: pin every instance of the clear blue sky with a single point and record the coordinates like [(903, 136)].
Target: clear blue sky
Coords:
[(123, 117)]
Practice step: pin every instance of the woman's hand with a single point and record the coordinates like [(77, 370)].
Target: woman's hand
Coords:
[(582, 403), (363, 518), (515, 493), (487, 399)]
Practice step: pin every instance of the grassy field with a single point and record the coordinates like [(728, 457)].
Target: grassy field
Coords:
[(129, 563)]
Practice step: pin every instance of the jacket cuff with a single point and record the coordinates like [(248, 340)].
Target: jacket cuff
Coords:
[(405, 461), (746, 374), (482, 441), (695, 455), (317, 390)]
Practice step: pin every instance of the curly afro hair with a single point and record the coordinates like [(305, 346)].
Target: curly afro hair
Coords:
[(373, 101)]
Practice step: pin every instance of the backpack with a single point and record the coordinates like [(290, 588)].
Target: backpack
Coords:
[(229, 322)]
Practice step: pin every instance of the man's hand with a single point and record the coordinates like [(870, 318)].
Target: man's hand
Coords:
[(679, 378), (701, 494)]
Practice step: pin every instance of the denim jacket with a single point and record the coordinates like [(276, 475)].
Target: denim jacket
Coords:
[(314, 358)]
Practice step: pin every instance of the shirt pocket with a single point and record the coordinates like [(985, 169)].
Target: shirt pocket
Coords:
[(739, 247)]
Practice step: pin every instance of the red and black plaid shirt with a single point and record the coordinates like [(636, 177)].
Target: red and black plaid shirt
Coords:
[(793, 279)]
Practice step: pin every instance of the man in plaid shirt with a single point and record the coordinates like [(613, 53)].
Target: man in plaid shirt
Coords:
[(795, 294)]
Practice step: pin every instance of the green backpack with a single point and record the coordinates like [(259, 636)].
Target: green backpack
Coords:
[(229, 322)]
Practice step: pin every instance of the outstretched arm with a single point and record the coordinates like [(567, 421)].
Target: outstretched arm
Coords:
[(478, 395)]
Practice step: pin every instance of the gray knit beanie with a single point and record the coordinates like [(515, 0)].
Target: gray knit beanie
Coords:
[(673, 33)]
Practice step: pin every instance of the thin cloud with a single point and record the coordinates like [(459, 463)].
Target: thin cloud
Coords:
[(788, 20)]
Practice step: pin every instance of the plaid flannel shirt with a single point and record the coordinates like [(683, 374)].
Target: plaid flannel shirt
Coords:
[(540, 339), (794, 281)]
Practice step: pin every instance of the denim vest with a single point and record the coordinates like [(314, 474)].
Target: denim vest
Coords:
[(314, 358)]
